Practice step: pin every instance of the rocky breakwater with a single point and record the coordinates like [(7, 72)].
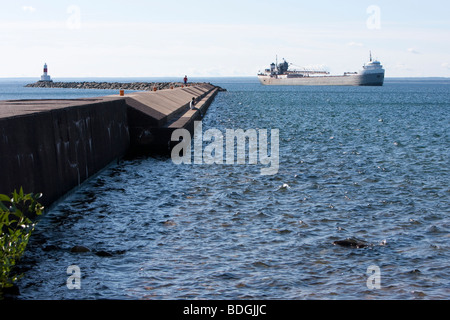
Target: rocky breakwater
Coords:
[(134, 86)]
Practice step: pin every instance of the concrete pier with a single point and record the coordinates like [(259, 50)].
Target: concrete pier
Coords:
[(153, 117), (52, 146)]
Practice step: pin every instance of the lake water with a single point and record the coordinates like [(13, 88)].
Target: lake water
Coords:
[(370, 163)]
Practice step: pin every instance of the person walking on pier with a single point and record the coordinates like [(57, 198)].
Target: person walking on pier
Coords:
[(192, 106)]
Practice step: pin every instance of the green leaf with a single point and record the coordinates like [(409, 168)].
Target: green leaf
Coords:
[(4, 198), (3, 207)]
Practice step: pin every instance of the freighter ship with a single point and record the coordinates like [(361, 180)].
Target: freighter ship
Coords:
[(372, 74)]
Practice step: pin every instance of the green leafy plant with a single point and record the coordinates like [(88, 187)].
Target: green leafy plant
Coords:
[(16, 225)]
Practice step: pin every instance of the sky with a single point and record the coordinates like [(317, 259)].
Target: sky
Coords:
[(200, 38)]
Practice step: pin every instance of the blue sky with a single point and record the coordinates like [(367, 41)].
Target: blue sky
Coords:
[(221, 38)]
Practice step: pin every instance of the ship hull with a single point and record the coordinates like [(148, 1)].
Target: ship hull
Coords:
[(370, 79)]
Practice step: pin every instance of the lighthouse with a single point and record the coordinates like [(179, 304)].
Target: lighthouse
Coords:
[(45, 76)]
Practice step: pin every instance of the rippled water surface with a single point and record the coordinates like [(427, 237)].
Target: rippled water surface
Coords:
[(370, 163)]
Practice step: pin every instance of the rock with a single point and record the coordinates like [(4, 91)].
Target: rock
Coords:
[(102, 253), (351, 243), (170, 223), (415, 271), (135, 86), (80, 249)]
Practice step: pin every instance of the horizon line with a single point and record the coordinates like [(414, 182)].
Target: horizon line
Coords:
[(160, 77)]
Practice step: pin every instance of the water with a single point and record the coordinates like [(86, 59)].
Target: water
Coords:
[(370, 163)]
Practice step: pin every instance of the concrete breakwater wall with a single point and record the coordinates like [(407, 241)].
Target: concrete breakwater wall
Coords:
[(151, 128), (136, 86), (60, 146), (52, 146)]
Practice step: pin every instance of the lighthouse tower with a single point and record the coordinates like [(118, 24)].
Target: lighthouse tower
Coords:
[(45, 76)]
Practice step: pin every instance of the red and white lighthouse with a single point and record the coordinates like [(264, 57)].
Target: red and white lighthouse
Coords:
[(45, 76)]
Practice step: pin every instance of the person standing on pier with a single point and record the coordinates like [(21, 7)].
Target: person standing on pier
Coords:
[(185, 79)]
